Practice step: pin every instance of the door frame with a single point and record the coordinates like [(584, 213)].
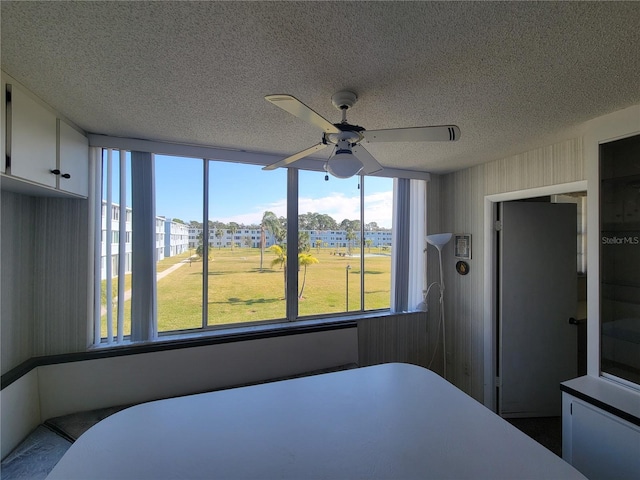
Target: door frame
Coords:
[(490, 275)]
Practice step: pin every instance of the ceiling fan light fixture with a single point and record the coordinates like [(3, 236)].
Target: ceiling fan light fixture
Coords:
[(343, 164), (351, 157)]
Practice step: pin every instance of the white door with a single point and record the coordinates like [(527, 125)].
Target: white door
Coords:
[(538, 295)]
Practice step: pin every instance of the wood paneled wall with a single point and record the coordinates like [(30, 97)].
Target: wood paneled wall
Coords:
[(459, 205), (44, 277), (17, 244), (60, 316), (395, 338)]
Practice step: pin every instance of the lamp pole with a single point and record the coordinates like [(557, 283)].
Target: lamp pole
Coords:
[(346, 270)]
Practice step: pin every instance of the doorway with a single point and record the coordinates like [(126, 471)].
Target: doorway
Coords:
[(494, 384), (537, 302)]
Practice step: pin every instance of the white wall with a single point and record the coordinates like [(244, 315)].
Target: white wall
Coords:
[(43, 264), (54, 390), (460, 200), (19, 411), (77, 386)]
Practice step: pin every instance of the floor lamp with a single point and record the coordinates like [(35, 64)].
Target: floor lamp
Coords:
[(439, 240)]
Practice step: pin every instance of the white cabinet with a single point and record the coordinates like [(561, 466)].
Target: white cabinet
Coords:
[(32, 139), (599, 443), (44, 154), (3, 123), (73, 160)]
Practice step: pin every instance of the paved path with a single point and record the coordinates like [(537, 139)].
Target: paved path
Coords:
[(127, 294)]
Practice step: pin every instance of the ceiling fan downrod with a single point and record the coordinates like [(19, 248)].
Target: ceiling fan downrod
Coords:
[(343, 101)]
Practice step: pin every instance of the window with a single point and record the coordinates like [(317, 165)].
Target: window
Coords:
[(241, 268), (619, 259), (179, 195), (245, 284), (378, 241), (348, 275), (113, 315)]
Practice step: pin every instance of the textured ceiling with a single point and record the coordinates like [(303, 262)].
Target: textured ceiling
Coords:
[(513, 76)]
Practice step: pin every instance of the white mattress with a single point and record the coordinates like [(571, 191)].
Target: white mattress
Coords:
[(391, 421)]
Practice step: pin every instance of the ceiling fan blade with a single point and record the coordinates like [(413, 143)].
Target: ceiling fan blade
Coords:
[(296, 107), (370, 164), (296, 156), (442, 133)]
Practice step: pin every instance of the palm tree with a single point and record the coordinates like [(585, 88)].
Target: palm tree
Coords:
[(368, 241), (303, 242), (280, 252), (350, 236), (270, 223), (281, 233), (232, 229), (304, 260), (318, 244), (219, 233), (201, 249)]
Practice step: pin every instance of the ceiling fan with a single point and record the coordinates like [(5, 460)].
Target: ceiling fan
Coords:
[(350, 157)]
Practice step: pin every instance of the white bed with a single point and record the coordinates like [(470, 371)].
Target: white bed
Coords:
[(391, 421)]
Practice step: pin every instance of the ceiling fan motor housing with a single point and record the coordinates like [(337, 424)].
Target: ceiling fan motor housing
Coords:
[(344, 100), (349, 133)]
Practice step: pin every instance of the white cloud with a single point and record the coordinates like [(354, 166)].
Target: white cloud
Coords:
[(378, 208)]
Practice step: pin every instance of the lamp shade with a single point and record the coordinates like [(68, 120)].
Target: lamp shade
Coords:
[(439, 240), (344, 165)]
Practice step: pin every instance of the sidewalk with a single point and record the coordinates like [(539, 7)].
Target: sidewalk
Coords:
[(127, 294)]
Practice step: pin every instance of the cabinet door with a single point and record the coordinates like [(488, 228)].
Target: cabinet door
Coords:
[(33, 139), (603, 446), (74, 160), (3, 125)]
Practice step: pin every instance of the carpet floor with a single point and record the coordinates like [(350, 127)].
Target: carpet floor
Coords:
[(545, 430)]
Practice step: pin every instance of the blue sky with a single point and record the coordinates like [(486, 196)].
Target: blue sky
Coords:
[(242, 193)]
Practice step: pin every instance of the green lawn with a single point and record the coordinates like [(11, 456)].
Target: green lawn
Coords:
[(240, 292)]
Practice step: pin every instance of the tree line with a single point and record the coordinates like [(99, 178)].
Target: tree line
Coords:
[(306, 221)]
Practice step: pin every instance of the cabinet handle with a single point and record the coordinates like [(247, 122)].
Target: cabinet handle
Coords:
[(55, 172), (66, 175)]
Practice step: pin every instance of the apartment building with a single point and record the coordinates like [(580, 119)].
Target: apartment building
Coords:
[(250, 238), (171, 238)]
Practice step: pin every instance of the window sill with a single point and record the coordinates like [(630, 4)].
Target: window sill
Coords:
[(607, 395), (233, 333), (195, 339)]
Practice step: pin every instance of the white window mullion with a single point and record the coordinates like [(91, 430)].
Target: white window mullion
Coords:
[(96, 177), (108, 256), (362, 244), (292, 245), (400, 252), (417, 233), (144, 249), (122, 242), (205, 242)]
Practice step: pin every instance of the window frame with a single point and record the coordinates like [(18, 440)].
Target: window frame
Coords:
[(292, 317), (606, 371)]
